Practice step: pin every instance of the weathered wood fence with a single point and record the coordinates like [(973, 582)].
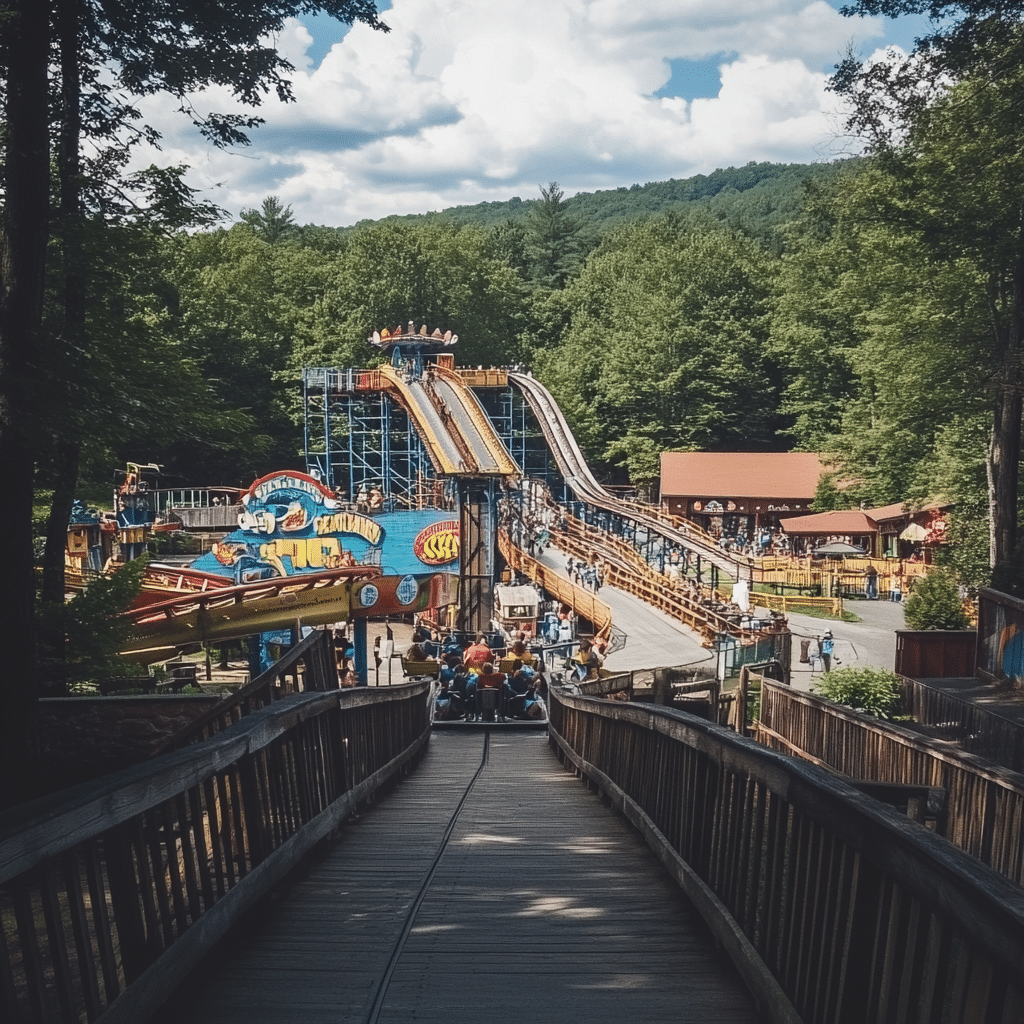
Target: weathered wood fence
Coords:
[(984, 802), (970, 726), (110, 894), (835, 908)]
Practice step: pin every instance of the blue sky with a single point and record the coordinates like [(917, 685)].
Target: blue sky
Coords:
[(469, 100)]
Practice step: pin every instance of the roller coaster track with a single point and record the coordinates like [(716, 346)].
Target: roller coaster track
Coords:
[(156, 631), (581, 480), (454, 428)]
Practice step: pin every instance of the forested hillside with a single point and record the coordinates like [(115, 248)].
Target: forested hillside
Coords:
[(765, 308), (758, 197)]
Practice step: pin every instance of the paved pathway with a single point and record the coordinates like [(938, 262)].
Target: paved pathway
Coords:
[(542, 907), (655, 639)]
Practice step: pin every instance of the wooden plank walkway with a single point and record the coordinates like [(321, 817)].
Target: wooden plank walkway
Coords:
[(543, 906)]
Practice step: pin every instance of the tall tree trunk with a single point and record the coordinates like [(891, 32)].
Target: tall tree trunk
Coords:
[(1005, 441), (25, 38), (68, 448)]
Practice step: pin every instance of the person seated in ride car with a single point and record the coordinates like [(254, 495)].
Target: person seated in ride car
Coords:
[(521, 651), (478, 654), (520, 683), (491, 679), (587, 662)]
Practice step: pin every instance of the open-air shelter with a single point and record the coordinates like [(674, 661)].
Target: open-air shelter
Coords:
[(814, 531)]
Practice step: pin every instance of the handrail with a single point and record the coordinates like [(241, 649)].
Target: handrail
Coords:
[(583, 602), (627, 571), (976, 729), (982, 797), (833, 906), (111, 893)]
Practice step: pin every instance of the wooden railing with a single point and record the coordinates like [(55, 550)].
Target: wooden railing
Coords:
[(984, 802), (110, 894), (627, 571), (981, 732), (307, 667), (583, 602), (835, 908)]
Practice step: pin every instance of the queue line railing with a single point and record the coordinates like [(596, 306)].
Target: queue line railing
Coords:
[(835, 908)]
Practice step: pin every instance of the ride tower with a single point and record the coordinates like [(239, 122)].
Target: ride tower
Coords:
[(411, 434)]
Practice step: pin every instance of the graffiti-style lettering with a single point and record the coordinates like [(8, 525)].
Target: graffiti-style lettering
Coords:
[(257, 522), (349, 522), (438, 543), (308, 553)]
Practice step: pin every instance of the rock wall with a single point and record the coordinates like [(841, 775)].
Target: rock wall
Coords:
[(85, 737)]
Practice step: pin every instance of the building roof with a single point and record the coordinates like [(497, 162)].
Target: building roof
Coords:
[(839, 523), (741, 474), (886, 513)]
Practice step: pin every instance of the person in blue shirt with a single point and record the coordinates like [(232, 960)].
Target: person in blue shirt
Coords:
[(827, 646)]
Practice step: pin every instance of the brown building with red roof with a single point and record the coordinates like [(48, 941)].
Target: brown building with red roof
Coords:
[(739, 491)]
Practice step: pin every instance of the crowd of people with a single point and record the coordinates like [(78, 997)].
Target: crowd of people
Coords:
[(590, 577), (468, 671)]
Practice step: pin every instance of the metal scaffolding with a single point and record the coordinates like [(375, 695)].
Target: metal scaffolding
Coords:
[(357, 439)]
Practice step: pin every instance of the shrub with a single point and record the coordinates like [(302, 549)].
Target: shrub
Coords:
[(936, 603), (871, 690)]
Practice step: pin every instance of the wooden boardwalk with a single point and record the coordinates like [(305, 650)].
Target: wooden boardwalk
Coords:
[(540, 906)]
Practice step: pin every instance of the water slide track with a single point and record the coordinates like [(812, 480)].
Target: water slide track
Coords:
[(455, 429), (581, 480)]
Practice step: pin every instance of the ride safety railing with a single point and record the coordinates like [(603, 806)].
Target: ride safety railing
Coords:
[(111, 894), (984, 801), (697, 608), (583, 603), (835, 908)]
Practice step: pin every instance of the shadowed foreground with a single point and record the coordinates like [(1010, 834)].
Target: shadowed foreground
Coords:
[(542, 906)]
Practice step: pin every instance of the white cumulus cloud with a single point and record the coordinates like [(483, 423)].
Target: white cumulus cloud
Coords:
[(469, 100)]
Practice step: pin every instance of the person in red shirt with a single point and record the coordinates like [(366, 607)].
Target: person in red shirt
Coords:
[(489, 679), (477, 655)]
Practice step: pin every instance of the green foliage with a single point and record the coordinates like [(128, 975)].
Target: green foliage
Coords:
[(936, 602), (665, 346), (873, 691), (92, 630), (758, 200), (273, 222), (553, 238), (827, 496)]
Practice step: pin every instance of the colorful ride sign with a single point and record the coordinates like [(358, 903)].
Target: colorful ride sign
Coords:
[(292, 524)]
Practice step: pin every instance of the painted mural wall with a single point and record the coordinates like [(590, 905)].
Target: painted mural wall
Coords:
[(291, 525)]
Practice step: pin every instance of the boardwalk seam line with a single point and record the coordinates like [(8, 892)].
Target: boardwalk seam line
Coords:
[(396, 952)]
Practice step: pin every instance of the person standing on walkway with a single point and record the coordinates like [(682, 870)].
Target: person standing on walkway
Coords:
[(827, 645)]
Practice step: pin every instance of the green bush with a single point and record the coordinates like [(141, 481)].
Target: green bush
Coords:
[(871, 690), (936, 603)]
